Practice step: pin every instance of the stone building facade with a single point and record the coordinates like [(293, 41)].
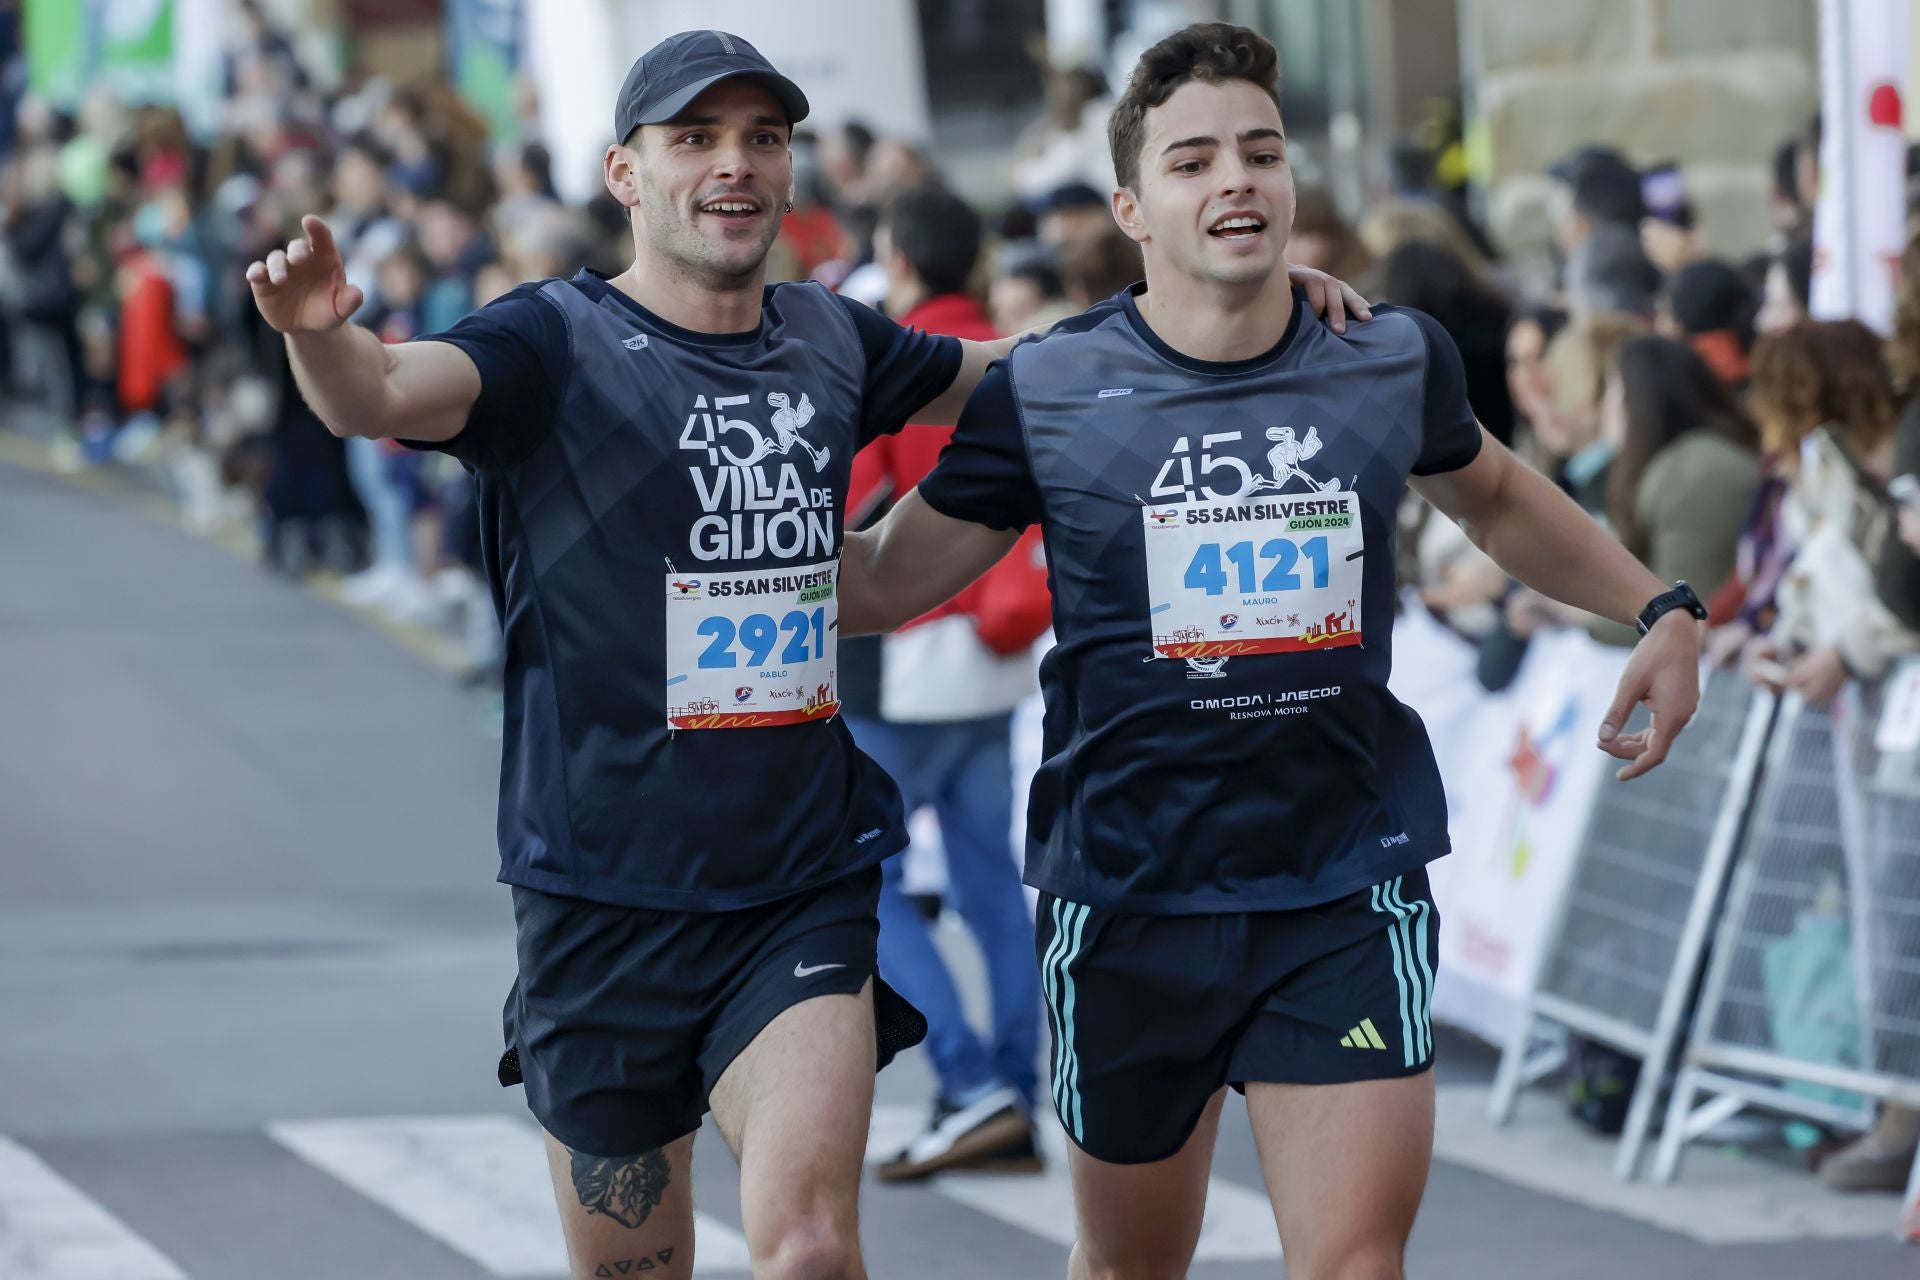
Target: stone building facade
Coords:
[(1715, 85)]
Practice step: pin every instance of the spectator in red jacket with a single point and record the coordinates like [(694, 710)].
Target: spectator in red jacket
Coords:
[(933, 703)]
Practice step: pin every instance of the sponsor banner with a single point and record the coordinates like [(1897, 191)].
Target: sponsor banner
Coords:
[(1520, 770), (800, 714)]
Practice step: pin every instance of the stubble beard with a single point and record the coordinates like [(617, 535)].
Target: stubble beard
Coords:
[(674, 236)]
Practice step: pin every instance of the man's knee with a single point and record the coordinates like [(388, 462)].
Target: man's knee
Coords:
[(1357, 1262), (819, 1247), (1138, 1264)]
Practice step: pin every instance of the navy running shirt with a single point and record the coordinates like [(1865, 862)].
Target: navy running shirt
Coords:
[(661, 518), (1218, 733)]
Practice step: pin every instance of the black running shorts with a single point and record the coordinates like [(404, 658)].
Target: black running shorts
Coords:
[(621, 1021), (1152, 1014)]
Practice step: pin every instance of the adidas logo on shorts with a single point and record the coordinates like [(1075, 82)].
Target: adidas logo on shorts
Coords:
[(1363, 1037)]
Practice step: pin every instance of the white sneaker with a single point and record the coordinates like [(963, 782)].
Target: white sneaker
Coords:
[(370, 587), (992, 1133), (411, 603)]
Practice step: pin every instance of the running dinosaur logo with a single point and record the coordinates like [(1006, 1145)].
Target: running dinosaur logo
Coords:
[(1288, 453), (789, 420)]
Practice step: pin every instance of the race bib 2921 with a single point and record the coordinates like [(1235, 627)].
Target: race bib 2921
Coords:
[(753, 648)]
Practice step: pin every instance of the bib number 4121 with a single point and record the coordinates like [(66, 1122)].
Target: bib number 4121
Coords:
[(1214, 568)]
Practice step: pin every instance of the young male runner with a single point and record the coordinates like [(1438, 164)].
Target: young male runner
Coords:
[(692, 838), (1231, 825)]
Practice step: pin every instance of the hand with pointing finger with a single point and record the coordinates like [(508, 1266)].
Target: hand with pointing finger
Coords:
[(303, 288), (1664, 673)]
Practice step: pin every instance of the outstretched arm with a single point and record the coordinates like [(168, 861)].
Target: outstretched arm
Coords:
[(359, 385), (1540, 536), (910, 562)]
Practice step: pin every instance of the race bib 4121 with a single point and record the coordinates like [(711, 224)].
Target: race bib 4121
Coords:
[(1272, 575)]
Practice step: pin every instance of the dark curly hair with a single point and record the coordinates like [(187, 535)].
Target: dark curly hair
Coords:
[(1819, 372), (1208, 51)]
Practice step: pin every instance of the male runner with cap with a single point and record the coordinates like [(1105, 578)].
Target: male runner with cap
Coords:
[(1230, 827), (692, 838)]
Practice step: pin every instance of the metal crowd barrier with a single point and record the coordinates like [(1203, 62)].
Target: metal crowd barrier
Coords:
[(1634, 923), (1811, 1005)]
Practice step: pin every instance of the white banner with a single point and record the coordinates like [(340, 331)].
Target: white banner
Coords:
[(1859, 220), (1520, 769)]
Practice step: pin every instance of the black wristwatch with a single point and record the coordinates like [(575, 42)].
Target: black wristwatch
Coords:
[(1681, 597)]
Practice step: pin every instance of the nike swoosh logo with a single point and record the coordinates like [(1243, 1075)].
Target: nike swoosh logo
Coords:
[(806, 971)]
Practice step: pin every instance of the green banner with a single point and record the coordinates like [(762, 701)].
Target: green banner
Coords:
[(483, 46), (136, 48), (126, 45), (56, 40)]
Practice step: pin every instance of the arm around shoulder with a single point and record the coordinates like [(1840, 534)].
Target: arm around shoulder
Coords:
[(910, 562)]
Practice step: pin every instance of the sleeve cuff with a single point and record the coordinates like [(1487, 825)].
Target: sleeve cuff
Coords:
[(1454, 461)]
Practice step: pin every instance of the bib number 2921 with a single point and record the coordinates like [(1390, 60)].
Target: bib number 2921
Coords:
[(752, 649), (756, 636)]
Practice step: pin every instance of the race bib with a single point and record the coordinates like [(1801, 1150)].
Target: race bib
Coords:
[(1268, 575), (752, 649)]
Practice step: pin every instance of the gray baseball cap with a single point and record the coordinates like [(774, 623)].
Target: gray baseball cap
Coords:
[(682, 67)]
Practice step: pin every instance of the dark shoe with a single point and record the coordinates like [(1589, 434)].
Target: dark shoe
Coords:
[(1880, 1160), (994, 1128), (1021, 1157)]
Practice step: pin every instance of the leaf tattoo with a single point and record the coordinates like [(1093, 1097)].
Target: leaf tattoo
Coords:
[(627, 1190)]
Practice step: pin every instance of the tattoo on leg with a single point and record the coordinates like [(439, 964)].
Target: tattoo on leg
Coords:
[(626, 1189), (631, 1266)]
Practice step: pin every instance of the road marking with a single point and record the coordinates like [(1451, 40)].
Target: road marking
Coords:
[(1238, 1227), (477, 1184), (1717, 1200), (50, 1231)]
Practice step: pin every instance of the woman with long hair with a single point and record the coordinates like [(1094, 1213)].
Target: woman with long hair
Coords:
[(1686, 460), (1826, 408)]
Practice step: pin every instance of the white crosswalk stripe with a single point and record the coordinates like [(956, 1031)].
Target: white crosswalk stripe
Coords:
[(1238, 1227), (478, 1184), (49, 1230)]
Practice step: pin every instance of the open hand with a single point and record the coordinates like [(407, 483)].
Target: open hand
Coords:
[(1818, 676), (303, 288), (1664, 673), (1330, 297)]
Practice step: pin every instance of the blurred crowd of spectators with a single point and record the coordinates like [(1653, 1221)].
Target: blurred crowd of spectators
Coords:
[(1690, 403)]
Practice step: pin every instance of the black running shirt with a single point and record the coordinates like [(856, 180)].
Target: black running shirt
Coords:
[(1218, 734), (661, 521)]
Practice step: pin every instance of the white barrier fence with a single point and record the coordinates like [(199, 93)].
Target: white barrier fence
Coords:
[(1771, 867)]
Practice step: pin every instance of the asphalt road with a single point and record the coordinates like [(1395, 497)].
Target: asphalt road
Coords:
[(252, 956)]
